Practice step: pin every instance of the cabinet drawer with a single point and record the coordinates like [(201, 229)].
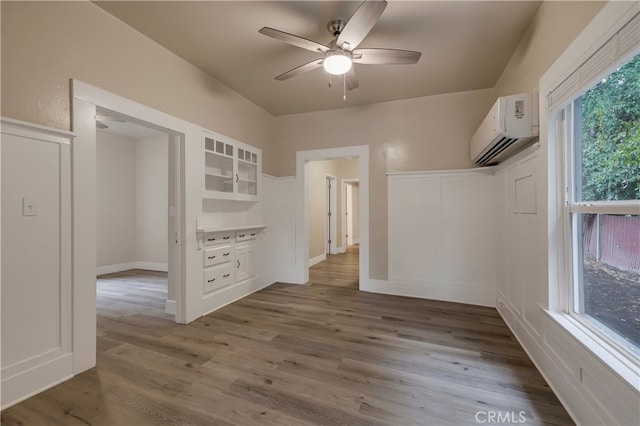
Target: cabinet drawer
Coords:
[(251, 234), (217, 255), (215, 238), (217, 277)]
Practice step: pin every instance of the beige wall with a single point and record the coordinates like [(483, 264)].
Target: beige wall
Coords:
[(429, 133), (554, 27), (44, 44), (316, 173)]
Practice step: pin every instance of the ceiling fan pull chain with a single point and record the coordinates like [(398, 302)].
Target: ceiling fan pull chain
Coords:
[(329, 80), (344, 87)]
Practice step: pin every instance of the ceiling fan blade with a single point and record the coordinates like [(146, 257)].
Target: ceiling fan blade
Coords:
[(360, 24), (293, 39), (317, 63), (385, 56), (351, 79)]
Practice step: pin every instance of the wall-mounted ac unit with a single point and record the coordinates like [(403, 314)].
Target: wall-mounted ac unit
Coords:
[(510, 125)]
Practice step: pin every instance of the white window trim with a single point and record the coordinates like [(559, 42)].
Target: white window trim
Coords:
[(571, 260), (613, 17)]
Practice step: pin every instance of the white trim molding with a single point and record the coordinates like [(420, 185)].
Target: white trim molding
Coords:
[(315, 260), (119, 267)]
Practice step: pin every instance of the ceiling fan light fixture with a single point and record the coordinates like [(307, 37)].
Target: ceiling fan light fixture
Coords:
[(337, 62)]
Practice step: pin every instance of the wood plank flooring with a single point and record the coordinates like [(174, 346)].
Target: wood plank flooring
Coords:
[(340, 270), (295, 355)]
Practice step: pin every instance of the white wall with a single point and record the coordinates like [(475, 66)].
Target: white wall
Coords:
[(441, 236), (116, 199), (132, 198), (152, 159), (591, 391), (278, 210)]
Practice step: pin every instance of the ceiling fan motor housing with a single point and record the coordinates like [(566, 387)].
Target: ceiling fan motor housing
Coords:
[(336, 26)]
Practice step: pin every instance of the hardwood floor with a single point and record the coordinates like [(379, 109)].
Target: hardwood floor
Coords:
[(340, 270), (296, 355)]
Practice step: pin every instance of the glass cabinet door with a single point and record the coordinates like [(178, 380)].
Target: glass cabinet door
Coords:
[(218, 167), (247, 175)]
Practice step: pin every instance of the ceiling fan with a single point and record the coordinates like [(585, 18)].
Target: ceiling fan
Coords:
[(342, 51)]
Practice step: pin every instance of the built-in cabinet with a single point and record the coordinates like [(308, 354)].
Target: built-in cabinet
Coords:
[(229, 256), (232, 169)]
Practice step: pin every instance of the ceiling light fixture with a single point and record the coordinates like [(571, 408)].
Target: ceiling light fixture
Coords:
[(337, 62)]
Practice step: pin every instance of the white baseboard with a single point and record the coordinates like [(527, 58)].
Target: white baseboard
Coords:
[(31, 382), (317, 259), (459, 294), (153, 266), (234, 292), (355, 241), (287, 276), (340, 250), (119, 267), (170, 307)]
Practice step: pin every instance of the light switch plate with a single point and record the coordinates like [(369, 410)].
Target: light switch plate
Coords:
[(28, 207)]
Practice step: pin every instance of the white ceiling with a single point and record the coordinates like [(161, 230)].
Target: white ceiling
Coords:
[(465, 45)]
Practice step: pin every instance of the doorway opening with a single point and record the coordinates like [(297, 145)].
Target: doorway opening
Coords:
[(323, 244), (133, 165), (88, 103), (337, 264)]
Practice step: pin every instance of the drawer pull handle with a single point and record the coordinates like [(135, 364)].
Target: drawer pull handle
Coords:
[(238, 263), (225, 275), (211, 239), (211, 257), (225, 238), (211, 280), (253, 234), (226, 254), (241, 236), (237, 178)]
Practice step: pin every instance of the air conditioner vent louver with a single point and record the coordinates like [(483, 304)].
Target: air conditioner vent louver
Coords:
[(511, 123), (496, 150)]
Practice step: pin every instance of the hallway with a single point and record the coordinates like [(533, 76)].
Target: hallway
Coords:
[(340, 270)]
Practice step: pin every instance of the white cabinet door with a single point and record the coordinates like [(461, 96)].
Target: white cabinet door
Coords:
[(245, 262), (232, 169)]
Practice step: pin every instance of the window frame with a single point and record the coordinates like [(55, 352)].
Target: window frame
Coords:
[(611, 19), (565, 132)]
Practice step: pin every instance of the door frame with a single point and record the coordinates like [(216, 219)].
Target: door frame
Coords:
[(85, 98), (361, 152), (344, 183), (331, 200)]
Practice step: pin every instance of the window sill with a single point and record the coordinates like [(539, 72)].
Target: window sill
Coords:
[(619, 364)]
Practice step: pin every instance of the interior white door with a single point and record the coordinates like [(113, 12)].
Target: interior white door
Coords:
[(348, 214), (330, 222)]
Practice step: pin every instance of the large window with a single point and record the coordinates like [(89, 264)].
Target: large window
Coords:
[(602, 159)]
